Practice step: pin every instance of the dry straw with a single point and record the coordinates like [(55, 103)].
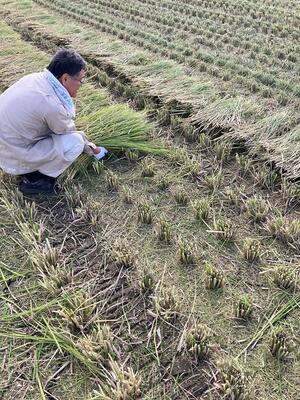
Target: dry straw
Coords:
[(286, 305), (225, 113)]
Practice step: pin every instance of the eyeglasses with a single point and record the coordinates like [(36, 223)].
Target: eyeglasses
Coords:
[(82, 80)]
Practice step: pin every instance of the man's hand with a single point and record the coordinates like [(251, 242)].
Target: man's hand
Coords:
[(91, 149), (96, 151), (101, 152)]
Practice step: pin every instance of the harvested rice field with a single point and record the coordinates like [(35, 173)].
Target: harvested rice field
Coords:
[(169, 271)]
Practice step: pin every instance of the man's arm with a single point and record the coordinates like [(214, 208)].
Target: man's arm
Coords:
[(60, 123)]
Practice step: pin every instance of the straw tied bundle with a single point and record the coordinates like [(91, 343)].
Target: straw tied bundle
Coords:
[(117, 128)]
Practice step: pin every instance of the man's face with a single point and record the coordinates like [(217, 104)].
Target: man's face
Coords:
[(72, 83)]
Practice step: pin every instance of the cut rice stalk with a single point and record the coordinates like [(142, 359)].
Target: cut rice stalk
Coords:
[(277, 314), (269, 127), (225, 113), (117, 128)]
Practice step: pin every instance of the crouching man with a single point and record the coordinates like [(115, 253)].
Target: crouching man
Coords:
[(38, 138)]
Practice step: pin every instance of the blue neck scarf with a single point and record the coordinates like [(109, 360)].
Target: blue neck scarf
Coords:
[(61, 93)]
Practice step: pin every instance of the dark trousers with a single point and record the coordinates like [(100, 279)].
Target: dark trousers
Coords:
[(36, 176)]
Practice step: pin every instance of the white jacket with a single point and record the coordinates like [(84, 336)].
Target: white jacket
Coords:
[(29, 112)]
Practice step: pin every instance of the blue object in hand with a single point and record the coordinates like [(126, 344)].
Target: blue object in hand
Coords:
[(102, 153)]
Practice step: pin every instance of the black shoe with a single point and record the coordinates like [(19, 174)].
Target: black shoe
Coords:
[(40, 186)]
